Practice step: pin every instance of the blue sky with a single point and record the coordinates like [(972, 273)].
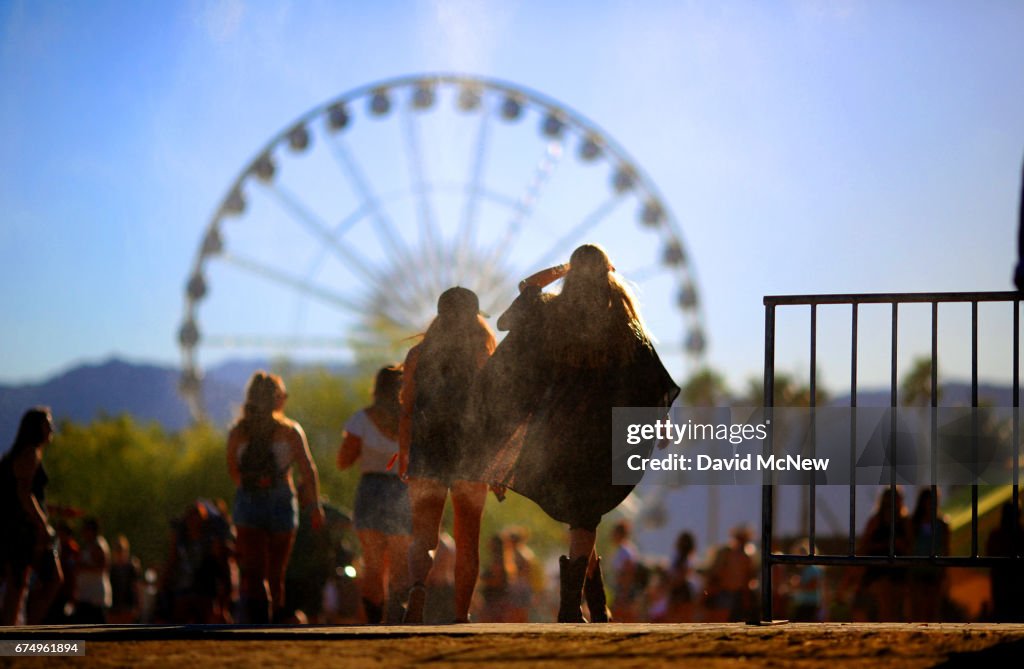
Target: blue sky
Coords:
[(804, 147)]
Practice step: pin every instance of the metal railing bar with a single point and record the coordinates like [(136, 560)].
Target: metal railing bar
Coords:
[(889, 298), (892, 429), (767, 491), (853, 429), (974, 425), (1016, 426), (935, 427), (811, 491), (882, 560)]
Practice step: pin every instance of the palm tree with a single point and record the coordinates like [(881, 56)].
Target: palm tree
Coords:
[(787, 393)]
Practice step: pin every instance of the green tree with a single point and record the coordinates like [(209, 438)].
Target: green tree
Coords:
[(322, 401), (916, 389), (135, 477), (705, 388), (788, 393)]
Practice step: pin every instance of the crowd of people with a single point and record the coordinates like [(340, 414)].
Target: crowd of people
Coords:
[(461, 416), (922, 592), (51, 571)]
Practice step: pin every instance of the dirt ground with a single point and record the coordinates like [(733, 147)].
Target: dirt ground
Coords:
[(613, 646)]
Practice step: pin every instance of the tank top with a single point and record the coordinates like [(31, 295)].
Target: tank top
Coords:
[(263, 463), (11, 511), (377, 448)]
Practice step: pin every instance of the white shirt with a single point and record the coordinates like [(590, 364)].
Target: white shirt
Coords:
[(94, 586), (377, 448)]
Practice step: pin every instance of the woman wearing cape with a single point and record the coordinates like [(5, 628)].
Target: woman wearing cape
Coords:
[(543, 419)]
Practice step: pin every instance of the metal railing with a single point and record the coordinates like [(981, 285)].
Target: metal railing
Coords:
[(769, 558)]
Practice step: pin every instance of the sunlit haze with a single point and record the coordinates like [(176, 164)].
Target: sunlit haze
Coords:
[(803, 147)]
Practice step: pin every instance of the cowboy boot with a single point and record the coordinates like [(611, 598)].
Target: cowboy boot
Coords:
[(593, 590), (414, 607), (572, 573)]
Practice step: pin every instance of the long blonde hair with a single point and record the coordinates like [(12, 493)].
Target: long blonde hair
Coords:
[(595, 318), (261, 413)]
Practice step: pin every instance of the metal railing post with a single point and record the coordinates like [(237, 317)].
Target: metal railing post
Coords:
[(766, 486)]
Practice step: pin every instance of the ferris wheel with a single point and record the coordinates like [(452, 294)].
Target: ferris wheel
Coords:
[(337, 237)]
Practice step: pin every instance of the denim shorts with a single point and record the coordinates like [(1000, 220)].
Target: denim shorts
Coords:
[(382, 504), (273, 509)]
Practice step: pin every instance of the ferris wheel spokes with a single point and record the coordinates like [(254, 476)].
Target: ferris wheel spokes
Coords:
[(429, 234), (522, 210), (270, 342), (561, 247), (291, 281), (383, 226), (531, 193), (465, 237), (319, 229)]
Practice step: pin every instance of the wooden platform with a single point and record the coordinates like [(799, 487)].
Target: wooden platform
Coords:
[(615, 646)]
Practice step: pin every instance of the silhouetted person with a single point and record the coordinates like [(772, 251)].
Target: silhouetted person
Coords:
[(928, 583), (625, 563), (62, 607), (188, 589), (383, 514), (262, 447), (546, 397), (439, 375), (655, 596), (807, 588), (496, 576), (221, 536), (528, 580), (315, 559), (1007, 580), (883, 590), (730, 578), (125, 576), (681, 599), (26, 537), (94, 595)]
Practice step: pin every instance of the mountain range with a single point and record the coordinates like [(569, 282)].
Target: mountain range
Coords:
[(148, 392)]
